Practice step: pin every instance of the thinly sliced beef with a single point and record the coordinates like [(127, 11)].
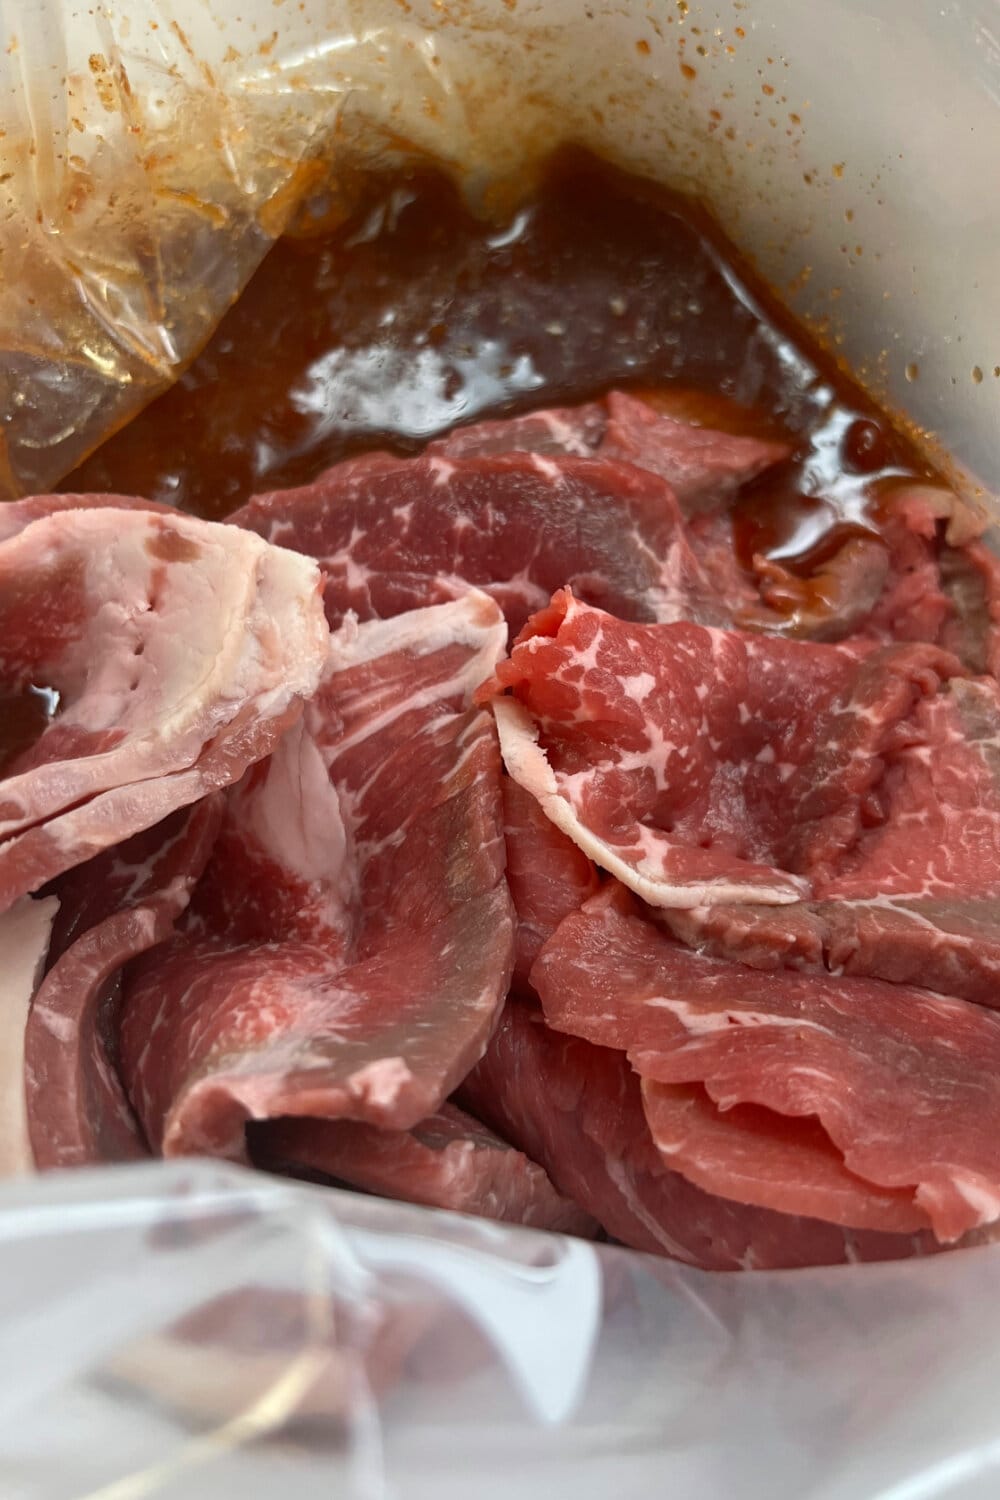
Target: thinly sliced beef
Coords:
[(355, 939), (704, 466), (916, 897), (447, 1161), (577, 1109), (905, 1083), (548, 875), (117, 905), (558, 431), (754, 1155), (25, 930), (699, 765), (399, 534), (179, 651)]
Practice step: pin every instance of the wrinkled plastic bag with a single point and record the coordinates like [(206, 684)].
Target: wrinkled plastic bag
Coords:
[(151, 149), (200, 1332), (197, 1331)]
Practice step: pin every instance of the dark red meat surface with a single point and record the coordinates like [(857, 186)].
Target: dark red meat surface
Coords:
[(447, 1161)]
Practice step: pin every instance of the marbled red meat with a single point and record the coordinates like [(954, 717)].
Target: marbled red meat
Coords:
[(355, 939), (179, 650), (914, 897), (700, 765), (905, 1083), (576, 1108), (559, 431), (447, 1161), (399, 534), (702, 465)]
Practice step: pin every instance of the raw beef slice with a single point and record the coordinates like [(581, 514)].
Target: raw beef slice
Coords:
[(699, 765), (915, 898), (116, 906), (576, 1108), (905, 1084), (446, 1161), (352, 941), (180, 651), (703, 466), (398, 534)]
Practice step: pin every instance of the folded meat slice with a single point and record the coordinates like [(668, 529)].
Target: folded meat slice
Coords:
[(447, 1161), (919, 572), (548, 875), (754, 1155), (179, 652), (705, 468), (25, 932), (699, 765), (116, 906), (577, 1109), (353, 938), (398, 534), (904, 1083)]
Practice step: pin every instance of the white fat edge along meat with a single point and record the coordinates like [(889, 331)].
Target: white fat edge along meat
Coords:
[(864, 696), (526, 761), (189, 654), (351, 1063), (181, 625), (15, 515), (25, 930)]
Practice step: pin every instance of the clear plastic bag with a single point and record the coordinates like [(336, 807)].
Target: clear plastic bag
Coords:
[(198, 1331), (193, 1330)]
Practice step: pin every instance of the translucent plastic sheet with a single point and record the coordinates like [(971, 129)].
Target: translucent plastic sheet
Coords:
[(149, 150), (199, 1332), (194, 1331)]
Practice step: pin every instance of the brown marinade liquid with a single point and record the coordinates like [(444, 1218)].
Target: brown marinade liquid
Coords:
[(413, 316)]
